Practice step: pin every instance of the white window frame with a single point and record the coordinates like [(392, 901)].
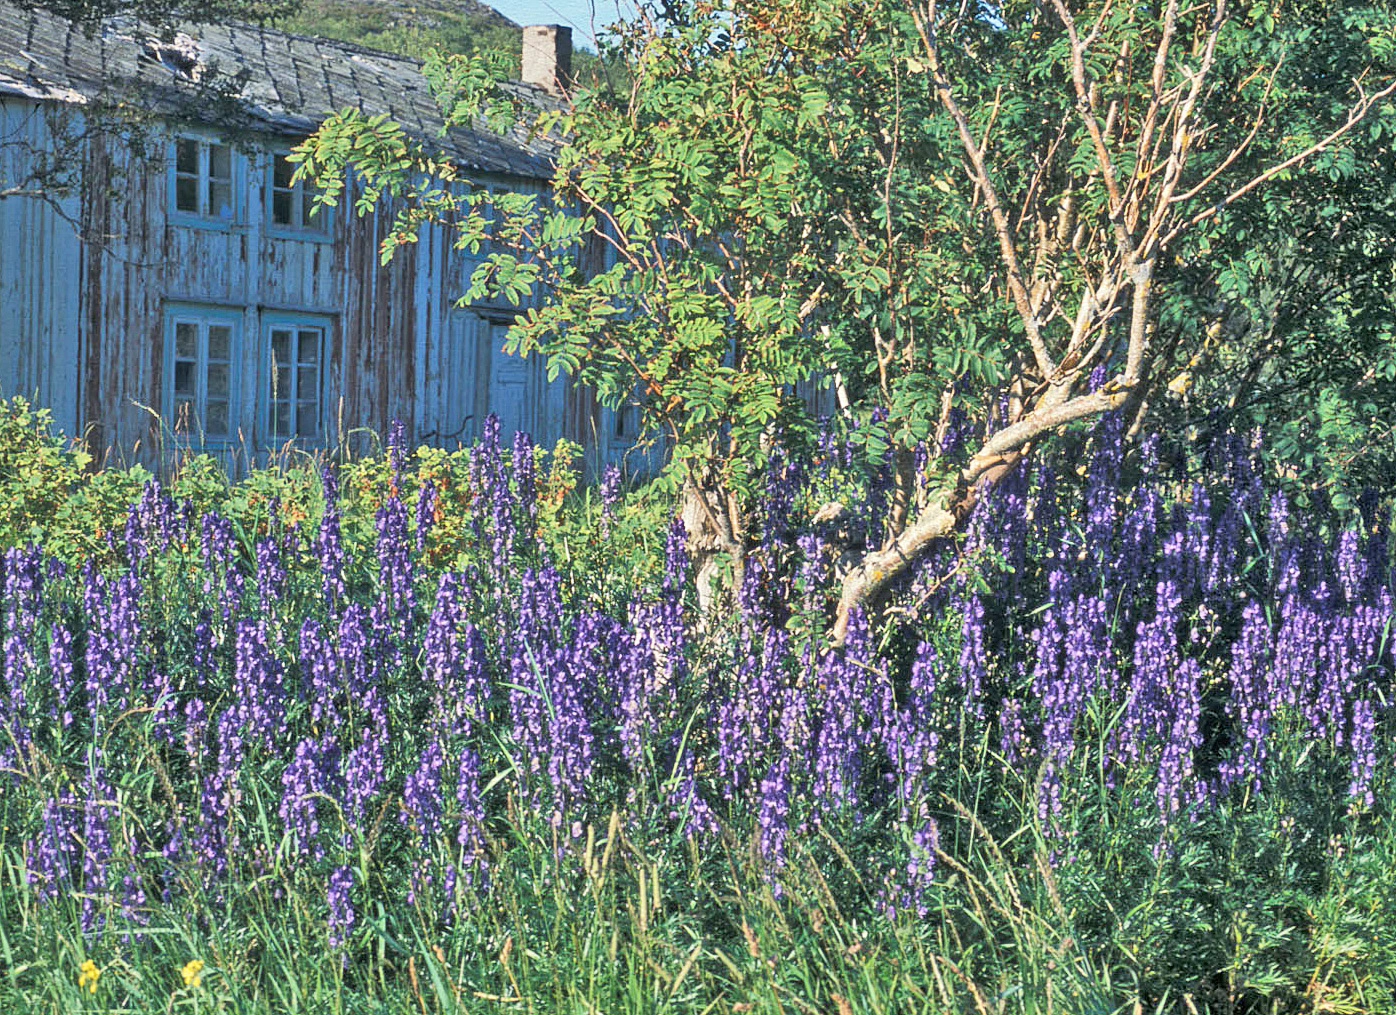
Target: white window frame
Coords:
[(317, 226), (202, 318), (204, 216), (269, 388)]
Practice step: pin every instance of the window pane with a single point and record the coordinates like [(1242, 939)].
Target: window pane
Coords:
[(281, 383), (187, 156), (220, 341), (220, 162), (307, 419), (281, 171), (281, 208), (186, 340), (309, 215), (216, 418), (281, 346), (187, 193), (307, 382), (220, 200), (184, 378), (309, 347), (217, 380), (281, 418)]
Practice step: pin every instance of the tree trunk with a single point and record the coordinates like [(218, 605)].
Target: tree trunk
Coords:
[(703, 511)]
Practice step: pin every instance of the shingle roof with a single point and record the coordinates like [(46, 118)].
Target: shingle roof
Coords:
[(283, 83)]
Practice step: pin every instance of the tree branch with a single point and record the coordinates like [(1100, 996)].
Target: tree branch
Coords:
[(1002, 228), (1354, 117)]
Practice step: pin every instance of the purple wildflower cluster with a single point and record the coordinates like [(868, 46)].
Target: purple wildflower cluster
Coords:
[(410, 712)]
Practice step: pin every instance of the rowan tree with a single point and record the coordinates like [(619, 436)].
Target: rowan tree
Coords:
[(980, 207)]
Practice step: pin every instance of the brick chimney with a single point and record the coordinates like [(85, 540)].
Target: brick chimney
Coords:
[(547, 57)]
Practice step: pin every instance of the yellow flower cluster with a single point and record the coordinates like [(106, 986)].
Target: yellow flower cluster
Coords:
[(88, 976), (193, 973)]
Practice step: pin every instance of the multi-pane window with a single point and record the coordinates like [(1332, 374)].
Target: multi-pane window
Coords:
[(200, 357), (203, 179), (627, 421), (295, 396), (292, 205)]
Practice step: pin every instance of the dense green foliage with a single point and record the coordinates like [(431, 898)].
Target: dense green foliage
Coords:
[(49, 495), (413, 29), (973, 209)]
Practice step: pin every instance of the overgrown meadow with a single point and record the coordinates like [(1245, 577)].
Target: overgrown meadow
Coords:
[(444, 732)]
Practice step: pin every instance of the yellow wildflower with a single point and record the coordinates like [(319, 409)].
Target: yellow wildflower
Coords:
[(193, 973), (89, 974)]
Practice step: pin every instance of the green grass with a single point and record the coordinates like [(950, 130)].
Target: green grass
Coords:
[(1285, 906)]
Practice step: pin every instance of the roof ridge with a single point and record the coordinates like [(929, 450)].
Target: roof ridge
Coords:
[(286, 82)]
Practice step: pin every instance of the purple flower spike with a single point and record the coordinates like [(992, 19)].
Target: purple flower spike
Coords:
[(974, 653), (60, 661), (56, 851), (421, 796), (396, 574), (215, 840), (339, 896), (113, 642), (312, 774), (397, 449), (1364, 752), (329, 544), (491, 479), (676, 558), (610, 495), (1184, 737), (365, 770), (258, 678), (99, 810), (524, 461), (471, 835), (271, 575), (1251, 704), (774, 815)]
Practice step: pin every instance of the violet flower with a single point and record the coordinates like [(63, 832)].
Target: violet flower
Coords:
[(339, 898), (610, 496), (1364, 752), (312, 775), (421, 796), (329, 544)]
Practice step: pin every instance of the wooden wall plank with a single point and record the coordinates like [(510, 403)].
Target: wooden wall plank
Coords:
[(83, 323)]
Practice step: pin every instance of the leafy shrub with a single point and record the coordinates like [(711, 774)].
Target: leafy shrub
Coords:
[(48, 495)]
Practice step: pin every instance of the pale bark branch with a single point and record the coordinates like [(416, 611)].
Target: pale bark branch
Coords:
[(1355, 116), (1145, 155), (1182, 140), (1085, 107), (1240, 148), (1002, 227), (998, 454)]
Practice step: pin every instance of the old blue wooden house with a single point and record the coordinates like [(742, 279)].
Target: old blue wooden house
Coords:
[(164, 285)]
